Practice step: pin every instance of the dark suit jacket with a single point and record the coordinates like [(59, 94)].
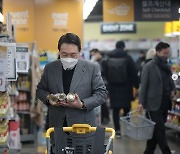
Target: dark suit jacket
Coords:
[(151, 88), (86, 82)]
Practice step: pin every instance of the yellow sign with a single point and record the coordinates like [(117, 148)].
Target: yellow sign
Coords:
[(168, 29), (118, 10), (176, 27), (172, 28)]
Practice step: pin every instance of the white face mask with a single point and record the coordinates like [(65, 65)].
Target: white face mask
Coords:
[(69, 63)]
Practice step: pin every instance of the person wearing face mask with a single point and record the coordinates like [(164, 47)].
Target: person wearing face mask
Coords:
[(156, 90), (75, 75)]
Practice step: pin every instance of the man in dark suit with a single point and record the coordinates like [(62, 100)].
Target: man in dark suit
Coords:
[(156, 90), (71, 74)]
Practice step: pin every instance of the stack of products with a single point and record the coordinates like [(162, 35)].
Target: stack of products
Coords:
[(4, 107), (173, 118), (4, 103), (23, 82), (14, 132), (3, 131)]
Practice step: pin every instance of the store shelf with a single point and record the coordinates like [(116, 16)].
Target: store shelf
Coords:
[(5, 145), (10, 151), (176, 100), (12, 94), (18, 101), (174, 112), (172, 126), (178, 87), (27, 137), (23, 112), (23, 73), (23, 89), (3, 116)]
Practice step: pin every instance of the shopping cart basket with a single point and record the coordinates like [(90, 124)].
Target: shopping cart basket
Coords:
[(81, 145), (136, 127)]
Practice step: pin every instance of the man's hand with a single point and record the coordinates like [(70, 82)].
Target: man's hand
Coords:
[(75, 104), (140, 108)]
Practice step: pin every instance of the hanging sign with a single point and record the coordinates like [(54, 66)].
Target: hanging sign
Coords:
[(176, 27), (2, 68), (10, 68), (118, 28), (22, 58), (156, 10), (168, 29)]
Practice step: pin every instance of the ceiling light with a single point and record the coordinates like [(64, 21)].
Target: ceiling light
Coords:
[(88, 7), (1, 18)]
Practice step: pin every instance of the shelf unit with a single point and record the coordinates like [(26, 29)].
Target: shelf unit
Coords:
[(9, 135), (173, 118), (22, 98)]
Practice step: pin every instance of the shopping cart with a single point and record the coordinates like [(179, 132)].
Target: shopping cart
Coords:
[(81, 145), (137, 127)]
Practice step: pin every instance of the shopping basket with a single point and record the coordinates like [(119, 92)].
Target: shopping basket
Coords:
[(80, 144), (136, 127)]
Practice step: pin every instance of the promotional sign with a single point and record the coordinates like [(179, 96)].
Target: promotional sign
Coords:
[(176, 27), (168, 29), (60, 20), (22, 58), (10, 68), (118, 10), (157, 10), (172, 28), (118, 28), (20, 18), (2, 69)]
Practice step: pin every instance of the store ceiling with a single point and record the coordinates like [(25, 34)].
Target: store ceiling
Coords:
[(97, 13)]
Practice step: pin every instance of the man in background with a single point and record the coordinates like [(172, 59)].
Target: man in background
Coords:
[(140, 62), (121, 75), (98, 57), (156, 90)]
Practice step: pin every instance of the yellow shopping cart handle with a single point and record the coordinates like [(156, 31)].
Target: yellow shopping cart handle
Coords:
[(80, 129)]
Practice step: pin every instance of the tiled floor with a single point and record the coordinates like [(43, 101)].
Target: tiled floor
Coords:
[(124, 145)]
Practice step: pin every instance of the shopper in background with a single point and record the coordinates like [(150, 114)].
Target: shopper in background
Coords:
[(156, 90), (121, 74), (98, 57), (94, 54), (150, 54), (140, 62), (71, 74)]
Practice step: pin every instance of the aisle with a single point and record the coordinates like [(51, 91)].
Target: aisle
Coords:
[(124, 145)]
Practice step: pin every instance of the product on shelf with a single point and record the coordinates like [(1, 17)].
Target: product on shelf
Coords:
[(14, 133), (23, 83), (4, 103), (3, 131), (170, 117)]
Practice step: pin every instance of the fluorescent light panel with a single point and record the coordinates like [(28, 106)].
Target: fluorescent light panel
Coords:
[(1, 17), (88, 7)]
